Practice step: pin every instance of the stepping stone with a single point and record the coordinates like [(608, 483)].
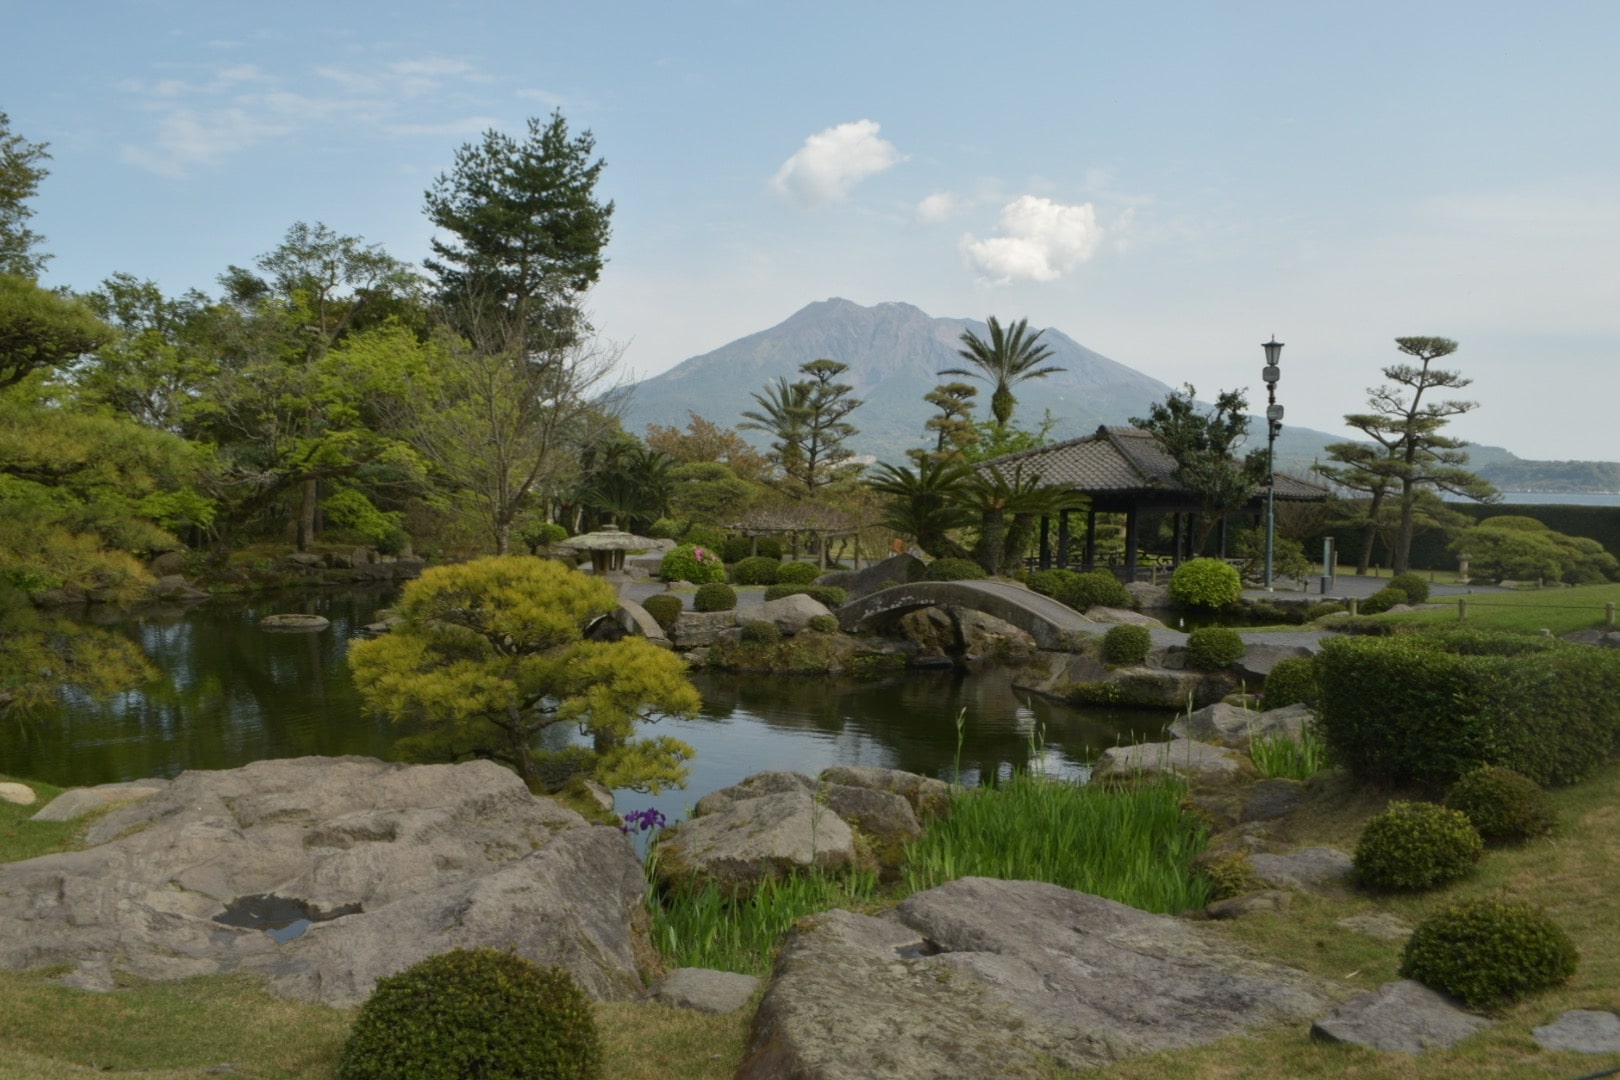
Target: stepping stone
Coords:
[(20, 794), (1405, 1016), (1585, 1031), (703, 990)]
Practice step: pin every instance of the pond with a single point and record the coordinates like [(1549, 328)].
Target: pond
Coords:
[(232, 694)]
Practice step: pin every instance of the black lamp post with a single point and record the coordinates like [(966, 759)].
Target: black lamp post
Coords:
[(1274, 415)]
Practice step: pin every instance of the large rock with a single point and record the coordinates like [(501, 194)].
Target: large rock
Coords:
[(415, 860), (791, 613), (1585, 1031), (75, 803), (1200, 762), (1259, 658), (696, 628), (929, 797), (986, 639), (703, 990), (895, 570), (1405, 1016), (745, 841), (1005, 978), (1235, 727), (1115, 616), (1317, 869)]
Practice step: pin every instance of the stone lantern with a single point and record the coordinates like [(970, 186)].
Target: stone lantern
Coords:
[(606, 547)]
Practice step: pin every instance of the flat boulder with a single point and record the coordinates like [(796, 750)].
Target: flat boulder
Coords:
[(1311, 870), (293, 623), (1200, 762), (1259, 658), (739, 844), (899, 569), (75, 803), (791, 613), (929, 797), (1235, 727), (703, 990), (1585, 1031), (1123, 617), (980, 977), (1403, 1016)]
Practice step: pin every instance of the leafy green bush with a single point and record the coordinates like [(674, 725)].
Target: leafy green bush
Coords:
[(1291, 681), (1231, 875), (1504, 805), (706, 536), (536, 532), (1524, 549), (1051, 582), (665, 609), (771, 548), (478, 1012), (696, 564), (1413, 585), (665, 529), (955, 570), (1489, 952), (755, 570), (1211, 648), (1205, 583), (797, 573), (736, 549), (761, 632), (349, 509), (715, 596), (1416, 846), (1097, 588), (1127, 644), (830, 595), (395, 541), (823, 624), (1382, 600)]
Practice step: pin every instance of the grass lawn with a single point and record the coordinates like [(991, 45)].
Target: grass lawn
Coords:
[(1528, 611)]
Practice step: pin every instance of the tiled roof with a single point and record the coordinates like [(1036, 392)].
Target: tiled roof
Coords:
[(1116, 460)]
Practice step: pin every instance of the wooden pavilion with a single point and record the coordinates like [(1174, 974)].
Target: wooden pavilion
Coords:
[(1125, 470)]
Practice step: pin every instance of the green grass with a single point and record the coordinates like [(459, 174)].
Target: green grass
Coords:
[(1527, 612), (24, 839), (1282, 756)]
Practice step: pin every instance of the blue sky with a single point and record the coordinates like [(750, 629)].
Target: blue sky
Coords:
[(1170, 184)]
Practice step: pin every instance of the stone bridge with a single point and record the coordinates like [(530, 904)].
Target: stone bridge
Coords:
[(1043, 618)]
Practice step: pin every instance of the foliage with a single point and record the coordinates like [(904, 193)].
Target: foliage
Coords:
[(20, 174), (1413, 585), (707, 493), (1489, 952), (955, 434), (535, 532), (705, 442), (797, 573), (715, 596), (1230, 875), (924, 503), (1412, 709), (474, 1012), (760, 632), (1213, 648), (735, 549), (695, 563), (41, 656), (1523, 549), (350, 509), (1413, 846), (489, 653), (1082, 591), (623, 483), (665, 608), (1011, 356), (41, 330), (1204, 447), (1008, 503), (1205, 583), (1382, 600), (829, 595), (955, 570), (1134, 845), (1280, 755), (1504, 805), (808, 421), (1291, 681), (1127, 644), (756, 570), (1287, 556), (823, 624)]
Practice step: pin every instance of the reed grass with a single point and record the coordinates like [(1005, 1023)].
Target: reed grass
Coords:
[(1283, 756)]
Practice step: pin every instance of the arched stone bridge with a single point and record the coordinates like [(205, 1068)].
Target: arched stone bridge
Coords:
[(1045, 619)]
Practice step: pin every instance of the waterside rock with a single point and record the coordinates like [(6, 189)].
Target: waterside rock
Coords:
[(75, 803), (1234, 727), (1199, 762)]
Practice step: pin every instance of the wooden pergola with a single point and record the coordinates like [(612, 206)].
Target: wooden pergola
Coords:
[(1124, 470), (824, 523)]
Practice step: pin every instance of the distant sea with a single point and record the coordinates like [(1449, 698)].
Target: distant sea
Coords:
[(1562, 498)]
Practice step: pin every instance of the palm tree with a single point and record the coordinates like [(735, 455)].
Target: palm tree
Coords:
[(925, 504), (1010, 356)]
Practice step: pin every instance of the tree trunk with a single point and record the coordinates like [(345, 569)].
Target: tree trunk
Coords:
[(1401, 557), (306, 514), (991, 533), (1365, 561)]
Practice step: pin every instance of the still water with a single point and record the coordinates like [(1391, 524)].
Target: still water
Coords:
[(232, 693)]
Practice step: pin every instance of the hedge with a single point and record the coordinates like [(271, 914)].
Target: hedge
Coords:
[(1411, 710)]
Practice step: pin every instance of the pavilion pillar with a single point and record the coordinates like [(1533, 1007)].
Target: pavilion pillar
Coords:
[(1222, 532), (1046, 542), (1130, 544), (1089, 561), (1175, 557), (1063, 539)]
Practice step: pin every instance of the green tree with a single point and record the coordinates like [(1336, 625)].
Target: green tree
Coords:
[(41, 330), (1508, 546), (1011, 356), (1412, 453), (20, 174), (158, 367), (925, 502), (954, 432), (490, 653), (705, 441), (1204, 447), (1007, 504), (808, 421)]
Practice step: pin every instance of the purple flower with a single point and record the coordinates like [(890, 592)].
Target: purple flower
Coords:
[(642, 821)]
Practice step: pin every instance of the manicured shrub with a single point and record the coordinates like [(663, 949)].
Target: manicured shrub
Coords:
[(823, 624), (1489, 952), (1051, 583), (1205, 583), (955, 570), (707, 536), (477, 1012), (761, 632), (1413, 585), (715, 596), (1382, 600), (1127, 644), (665, 529), (1291, 681), (770, 547), (665, 609), (797, 573), (1416, 846), (696, 564), (1231, 875), (1095, 588), (755, 570), (830, 595), (736, 549), (1505, 806), (1211, 648)]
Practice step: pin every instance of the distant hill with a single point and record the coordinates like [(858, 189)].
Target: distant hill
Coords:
[(895, 352)]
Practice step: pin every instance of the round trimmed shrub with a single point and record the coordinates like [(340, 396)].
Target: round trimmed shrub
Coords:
[(1205, 583), (1098, 588), (1413, 585), (797, 573), (693, 563), (1127, 644), (664, 529), (830, 595), (755, 570), (715, 596), (1211, 648), (771, 548), (760, 632), (705, 536), (1505, 806), (1416, 846), (1051, 583), (955, 570), (1382, 600), (665, 609), (1291, 681), (1489, 952), (474, 1012), (823, 624), (736, 549)]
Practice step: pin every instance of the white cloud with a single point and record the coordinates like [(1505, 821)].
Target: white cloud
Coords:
[(187, 137), (1040, 241), (937, 207), (832, 162)]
